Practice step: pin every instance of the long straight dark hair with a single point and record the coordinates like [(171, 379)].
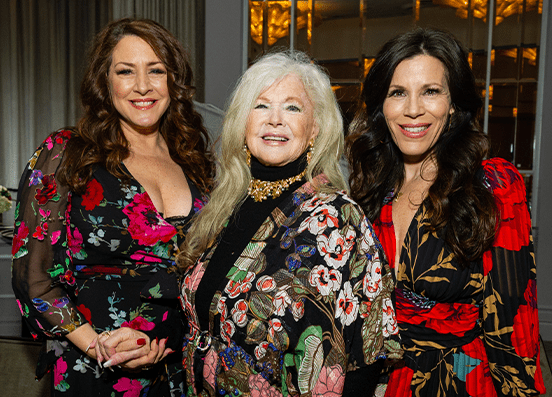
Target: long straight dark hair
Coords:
[(459, 205)]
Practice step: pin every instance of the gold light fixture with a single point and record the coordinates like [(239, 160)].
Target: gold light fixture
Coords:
[(278, 19), (504, 8)]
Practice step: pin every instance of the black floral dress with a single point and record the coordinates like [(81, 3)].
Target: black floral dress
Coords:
[(105, 257), (468, 331)]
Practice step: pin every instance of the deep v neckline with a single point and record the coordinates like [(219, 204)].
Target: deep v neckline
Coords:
[(161, 214), (402, 248)]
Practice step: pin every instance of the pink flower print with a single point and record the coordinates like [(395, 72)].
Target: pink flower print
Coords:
[(266, 284), (75, 241), (142, 255), (67, 278), (139, 323), (210, 367), (321, 218), (19, 239), (259, 387), (146, 225), (55, 236), (371, 284), (191, 281), (60, 368), (347, 305), (330, 382), (325, 280), (198, 205), (239, 313), (131, 387), (336, 247)]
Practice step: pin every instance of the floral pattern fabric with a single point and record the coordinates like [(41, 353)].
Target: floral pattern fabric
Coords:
[(307, 300), (105, 257), (475, 331)]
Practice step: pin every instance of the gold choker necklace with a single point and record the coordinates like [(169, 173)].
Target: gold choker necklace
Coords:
[(260, 190)]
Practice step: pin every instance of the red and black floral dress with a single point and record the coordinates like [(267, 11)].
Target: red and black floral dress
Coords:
[(105, 257), (468, 332)]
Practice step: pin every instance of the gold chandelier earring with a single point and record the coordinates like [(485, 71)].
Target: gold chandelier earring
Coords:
[(247, 155), (310, 151)]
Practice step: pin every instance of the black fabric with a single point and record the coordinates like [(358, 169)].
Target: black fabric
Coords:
[(240, 230)]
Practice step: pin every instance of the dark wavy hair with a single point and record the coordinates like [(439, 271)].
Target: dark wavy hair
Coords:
[(461, 209), (98, 138)]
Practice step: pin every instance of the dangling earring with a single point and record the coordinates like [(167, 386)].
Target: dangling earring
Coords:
[(310, 150), (247, 155)]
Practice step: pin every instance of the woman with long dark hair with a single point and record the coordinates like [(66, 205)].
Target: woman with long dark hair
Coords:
[(102, 210), (453, 223)]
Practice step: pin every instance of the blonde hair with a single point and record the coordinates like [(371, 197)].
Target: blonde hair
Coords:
[(233, 174)]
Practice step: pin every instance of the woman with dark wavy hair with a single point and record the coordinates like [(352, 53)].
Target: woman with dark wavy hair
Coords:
[(454, 225), (103, 208)]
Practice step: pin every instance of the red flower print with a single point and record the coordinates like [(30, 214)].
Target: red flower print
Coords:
[(525, 337), (85, 312), (19, 238), (131, 387), (259, 387), (67, 278), (60, 368), (146, 225), (93, 195), (479, 382), (510, 197), (330, 382), (399, 382), (48, 191), (139, 323), (41, 231)]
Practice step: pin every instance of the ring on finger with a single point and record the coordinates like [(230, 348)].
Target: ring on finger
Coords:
[(146, 368), (106, 333)]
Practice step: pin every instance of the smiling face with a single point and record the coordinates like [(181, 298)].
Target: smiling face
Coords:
[(138, 85), (281, 123), (417, 106)]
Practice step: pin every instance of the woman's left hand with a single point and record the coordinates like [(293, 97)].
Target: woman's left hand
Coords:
[(129, 349)]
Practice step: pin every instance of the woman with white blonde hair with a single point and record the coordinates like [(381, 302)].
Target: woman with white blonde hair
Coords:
[(286, 290)]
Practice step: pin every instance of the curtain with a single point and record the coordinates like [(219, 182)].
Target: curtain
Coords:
[(43, 45)]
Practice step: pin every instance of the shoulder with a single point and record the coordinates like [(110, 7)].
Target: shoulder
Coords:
[(502, 175), (49, 154)]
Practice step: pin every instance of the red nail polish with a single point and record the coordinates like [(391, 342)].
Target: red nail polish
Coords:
[(141, 342)]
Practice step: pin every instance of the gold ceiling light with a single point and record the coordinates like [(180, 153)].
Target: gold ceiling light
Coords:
[(278, 19), (504, 8)]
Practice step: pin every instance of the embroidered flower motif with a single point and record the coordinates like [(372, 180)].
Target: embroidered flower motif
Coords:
[(260, 350), (59, 371), (239, 313), (19, 240), (371, 283), (259, 387), (266, 284), (281, 302), (347, 305), (298, 309), (336, 247), (326, 281), (227, 330), (330, 382), (321, 218)]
